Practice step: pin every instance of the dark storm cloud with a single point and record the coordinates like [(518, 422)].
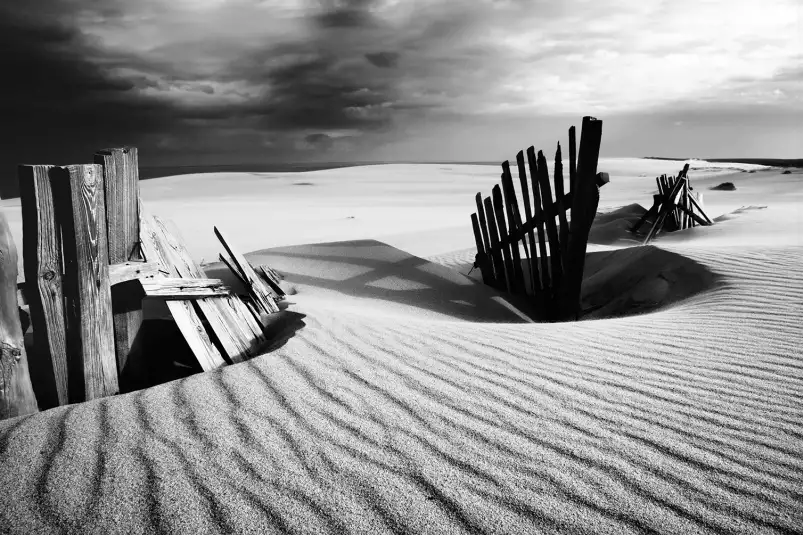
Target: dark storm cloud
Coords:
[(383, 59), (346, 13)]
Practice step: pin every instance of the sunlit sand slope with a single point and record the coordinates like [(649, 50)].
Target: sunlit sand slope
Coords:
[(687, 419)]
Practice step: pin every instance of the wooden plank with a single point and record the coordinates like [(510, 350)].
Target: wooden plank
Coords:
[(693, 216), (128, 271), (656, 204), (16, 391), (572, 162), (555, 262), (703, 215), (540, 216), (81, 210), (584, 210), (499, 212), (514, 222), (486, 240), (263, 295), (121, 183), (182, 289), (496, 248), (183, 312), (233, 336), (559, 206), (482, 258), (535, 276), (44, 292)]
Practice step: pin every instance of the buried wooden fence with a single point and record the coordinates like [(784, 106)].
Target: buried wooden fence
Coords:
[(90, 257), (554, 244), (675, 207)]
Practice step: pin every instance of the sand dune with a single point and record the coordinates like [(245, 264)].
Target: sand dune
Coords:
[(397, 408)]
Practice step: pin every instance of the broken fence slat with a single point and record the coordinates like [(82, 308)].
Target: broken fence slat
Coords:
[(504, 233), (260, 292), (540, 215), (127, 271), (183, 312), (44, 276)]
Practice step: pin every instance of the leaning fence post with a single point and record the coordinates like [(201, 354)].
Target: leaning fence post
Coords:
[(585, 200), (16, 392), (121, 185), (41, 252), (81, 210)]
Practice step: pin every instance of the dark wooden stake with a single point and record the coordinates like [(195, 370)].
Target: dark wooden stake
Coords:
[(551, 229), (559, 202), (584, 208), (572, 160), (496, 247), (482, 258), (528, 212), (499, 211), (80, 207), (514, 226), (16, 392), (43, 266), (486, 240), (539, 217)]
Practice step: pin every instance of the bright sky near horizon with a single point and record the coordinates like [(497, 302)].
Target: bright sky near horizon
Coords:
[(230, 81)]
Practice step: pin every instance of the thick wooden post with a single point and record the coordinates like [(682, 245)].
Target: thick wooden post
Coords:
[(585, 201), (16, 393), (44, 268), (81, 210), (121, 184)]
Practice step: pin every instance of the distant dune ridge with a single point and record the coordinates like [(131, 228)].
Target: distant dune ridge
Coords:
[(414, 399)]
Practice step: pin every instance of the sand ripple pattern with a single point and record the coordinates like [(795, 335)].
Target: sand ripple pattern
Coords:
[(671, 422)]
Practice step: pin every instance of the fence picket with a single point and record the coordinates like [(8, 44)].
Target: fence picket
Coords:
[(486, 242), (559, 202), (535, 276), (504, 236), (482, 258), (551, 228), (514, 225), (496, 248), (539, 216)]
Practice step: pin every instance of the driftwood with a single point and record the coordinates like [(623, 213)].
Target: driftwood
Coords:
[(180, 288), (44, 275), (16, 392)]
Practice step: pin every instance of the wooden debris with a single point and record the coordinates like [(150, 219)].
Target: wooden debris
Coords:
[(272, 278), (128, 271), (260, 293)]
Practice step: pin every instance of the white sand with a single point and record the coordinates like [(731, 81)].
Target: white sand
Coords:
[(399, 408)]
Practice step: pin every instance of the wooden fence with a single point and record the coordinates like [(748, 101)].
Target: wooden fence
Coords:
[(90, 257), (554, 244), (675, 207)]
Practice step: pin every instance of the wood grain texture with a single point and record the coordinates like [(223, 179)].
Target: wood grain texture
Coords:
[(183, 312), (81, 209), (500, 269), (180, 288), (16, 391), (127, 271), (236, 338), (44, 292), (121, 190)]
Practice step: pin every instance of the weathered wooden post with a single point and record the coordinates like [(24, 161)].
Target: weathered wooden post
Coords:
[(81, 211), (16, 393), (121, 185), (585, 201), (44, 268)]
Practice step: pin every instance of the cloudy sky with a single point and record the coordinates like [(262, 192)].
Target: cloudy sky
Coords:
[(231, 81)]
